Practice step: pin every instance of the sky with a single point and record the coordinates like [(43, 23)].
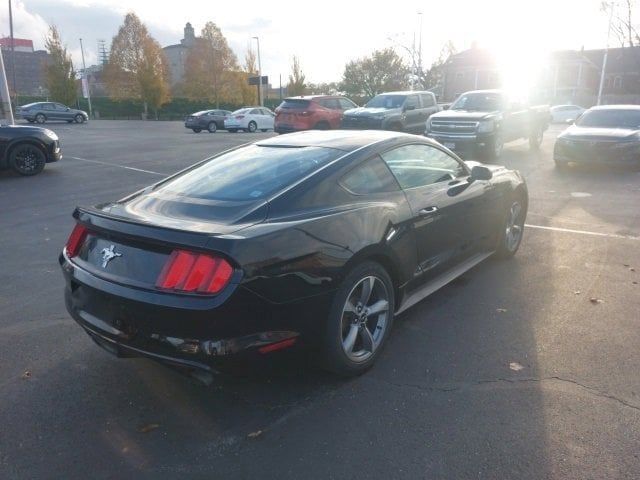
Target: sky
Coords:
[(326, 35)]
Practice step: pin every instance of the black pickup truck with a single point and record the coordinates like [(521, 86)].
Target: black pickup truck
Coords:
[(479, 123)]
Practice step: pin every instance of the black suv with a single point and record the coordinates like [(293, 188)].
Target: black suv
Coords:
[(399, 111), (210, 120)]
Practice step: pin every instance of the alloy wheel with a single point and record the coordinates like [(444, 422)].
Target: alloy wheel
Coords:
[(513, 229), (364, 318), (28, 160)]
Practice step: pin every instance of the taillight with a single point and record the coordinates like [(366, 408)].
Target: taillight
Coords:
[(76, 239), (194, 272), (239, 117)]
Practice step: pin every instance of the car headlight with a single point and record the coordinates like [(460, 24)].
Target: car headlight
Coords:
[(486, 126), (51, 134)]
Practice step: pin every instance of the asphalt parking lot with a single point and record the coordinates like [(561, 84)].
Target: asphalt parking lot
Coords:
[(524, 369)]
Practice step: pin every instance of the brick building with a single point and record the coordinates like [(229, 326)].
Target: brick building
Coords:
[(29, 66)]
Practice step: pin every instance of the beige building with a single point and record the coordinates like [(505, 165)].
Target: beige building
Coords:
[(177, 55)]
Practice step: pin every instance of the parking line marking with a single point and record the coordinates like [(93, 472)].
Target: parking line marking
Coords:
[(120, 166), (583, 232)]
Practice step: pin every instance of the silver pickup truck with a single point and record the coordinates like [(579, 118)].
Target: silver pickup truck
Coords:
[(399, 111)]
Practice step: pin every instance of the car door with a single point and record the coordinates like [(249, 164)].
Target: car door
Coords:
[(268, 118), (429, 107), (62, 112), (450, 213), (49, 110), (516, 123), (412, 113)]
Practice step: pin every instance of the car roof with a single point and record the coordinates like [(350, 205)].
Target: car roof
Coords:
[(313, 97), (404, 92), (616, 107), (347, 140)]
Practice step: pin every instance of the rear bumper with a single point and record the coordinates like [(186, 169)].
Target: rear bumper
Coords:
[(191, 334), (620, 154)]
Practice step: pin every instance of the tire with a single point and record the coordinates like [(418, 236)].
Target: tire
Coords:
[(495, 148), (232, 130), (212, 127), (79, 118), (535, 140), (512, 230), (27, 159), (196, 130), (253, 126), (40, 118), (347, 349)]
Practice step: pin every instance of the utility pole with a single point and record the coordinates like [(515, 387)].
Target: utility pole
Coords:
[(606, 53), (260, 101), (85, 77), (13, 56), (420, 44)]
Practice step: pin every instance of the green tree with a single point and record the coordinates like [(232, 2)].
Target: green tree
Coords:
[(137, 67), (296, 85), (211, 68), (383, 71), (60, 76)]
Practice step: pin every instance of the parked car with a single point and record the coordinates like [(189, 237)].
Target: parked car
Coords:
[(210, 120), (41, 112), (608, 134), (398, 111), (315, 238), (565, 113), (26, 149), (479, 123), (250, 119), (321, 112)]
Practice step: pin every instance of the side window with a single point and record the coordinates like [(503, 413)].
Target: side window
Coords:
[(421, 165), (331, 103), (372, 176), (60, 107), (48, 106), (255, 111), (427, 100), (346, 104), (267, 112), (412, 101)]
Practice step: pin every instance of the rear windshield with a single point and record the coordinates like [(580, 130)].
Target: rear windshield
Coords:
[(249, 173), (386, 101), (294, 103), (610, 119)]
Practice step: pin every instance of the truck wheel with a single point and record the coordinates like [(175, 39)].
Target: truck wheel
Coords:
[(535, 140), (495, 148)]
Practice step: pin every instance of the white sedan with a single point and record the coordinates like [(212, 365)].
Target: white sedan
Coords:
[(565, 113), (250, 119)]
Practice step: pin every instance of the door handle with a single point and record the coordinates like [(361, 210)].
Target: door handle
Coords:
[(428, 211)]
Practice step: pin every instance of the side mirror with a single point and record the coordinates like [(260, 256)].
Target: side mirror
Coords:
[(68, 109), (570, 121), (480, 172)]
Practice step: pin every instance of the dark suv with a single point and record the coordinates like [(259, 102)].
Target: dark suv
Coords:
[(41, 112), (322, 112), (399, 111), (210, 120)]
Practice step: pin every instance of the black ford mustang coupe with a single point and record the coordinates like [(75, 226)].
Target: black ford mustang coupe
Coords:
[(315, 238)]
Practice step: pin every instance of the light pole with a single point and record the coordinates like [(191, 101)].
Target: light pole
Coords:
[(85, 77), (13, 56), (412, 54), (259, 74), (606, 53)]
